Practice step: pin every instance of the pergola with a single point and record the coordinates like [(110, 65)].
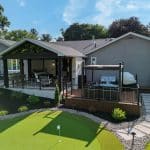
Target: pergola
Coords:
[(118, 68)]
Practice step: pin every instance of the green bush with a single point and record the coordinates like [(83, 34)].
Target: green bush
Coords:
[(33, 99), (118, 114), (3, 112), (22, 108)]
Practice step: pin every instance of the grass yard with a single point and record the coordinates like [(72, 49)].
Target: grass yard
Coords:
[(38, 132)]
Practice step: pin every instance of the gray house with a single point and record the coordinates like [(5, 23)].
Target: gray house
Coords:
[(132, 49)]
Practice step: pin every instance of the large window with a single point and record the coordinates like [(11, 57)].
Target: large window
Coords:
[(13, 65), (93, 60)]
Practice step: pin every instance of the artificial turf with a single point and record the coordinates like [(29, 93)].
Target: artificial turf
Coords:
[(38, 131), (148, 146)]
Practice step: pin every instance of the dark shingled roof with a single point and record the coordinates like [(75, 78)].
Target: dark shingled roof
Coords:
[(85, 46), (58, 49)]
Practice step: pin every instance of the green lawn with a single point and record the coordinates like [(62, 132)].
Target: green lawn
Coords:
[(38, 132), (148, 146)]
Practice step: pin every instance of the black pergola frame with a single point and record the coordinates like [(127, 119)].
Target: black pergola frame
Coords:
[(119, 67)]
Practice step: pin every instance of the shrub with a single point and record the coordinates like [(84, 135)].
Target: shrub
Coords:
[(22, 108), (33, 99), (118, 114), (17, 95), (3, 112)]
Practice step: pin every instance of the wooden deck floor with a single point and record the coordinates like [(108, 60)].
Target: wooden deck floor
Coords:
[(126, 96)]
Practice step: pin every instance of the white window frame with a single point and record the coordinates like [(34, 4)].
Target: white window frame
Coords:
[(93, 62), (11, 69)]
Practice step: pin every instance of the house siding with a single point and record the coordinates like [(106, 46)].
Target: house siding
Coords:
[(134, 52)]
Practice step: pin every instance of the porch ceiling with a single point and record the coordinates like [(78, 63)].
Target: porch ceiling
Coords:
[(28, 48)]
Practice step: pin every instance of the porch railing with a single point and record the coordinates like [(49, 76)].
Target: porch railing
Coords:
[(124, 94), (29, 84)]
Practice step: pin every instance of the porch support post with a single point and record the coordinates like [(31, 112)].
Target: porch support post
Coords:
[(82, 80), (92, 75), (29, 68), (6, 79), (120, 75), (59, 70), (22, 72), (56, 67), (43, 64), (120, 80), (70, 72)]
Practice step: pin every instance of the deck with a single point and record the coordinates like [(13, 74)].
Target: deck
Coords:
[(125, 96)]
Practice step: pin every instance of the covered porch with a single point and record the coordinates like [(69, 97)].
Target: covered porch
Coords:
[(41, 64)]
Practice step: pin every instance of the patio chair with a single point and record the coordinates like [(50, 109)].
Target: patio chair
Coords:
[(45, 81)]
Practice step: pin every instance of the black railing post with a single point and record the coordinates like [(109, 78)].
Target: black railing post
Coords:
[(13, 83), (40, 85), (63, 90), (66, 91)]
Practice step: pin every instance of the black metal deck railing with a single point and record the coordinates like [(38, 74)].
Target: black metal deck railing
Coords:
[(123, 94)]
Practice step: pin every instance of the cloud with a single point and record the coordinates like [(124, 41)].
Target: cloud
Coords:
[(22, 3), (136, 5), (103, 11), (73, 10), (108, 10)]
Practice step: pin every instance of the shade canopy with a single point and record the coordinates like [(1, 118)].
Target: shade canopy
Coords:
[(104, 67)]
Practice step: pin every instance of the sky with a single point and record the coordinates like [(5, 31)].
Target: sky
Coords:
[(49, 16)]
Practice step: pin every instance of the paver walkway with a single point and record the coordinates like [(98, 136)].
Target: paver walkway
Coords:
[(142, 129)]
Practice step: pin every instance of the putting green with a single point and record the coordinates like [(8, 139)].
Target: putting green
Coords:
[(148, 146), (38, 131)]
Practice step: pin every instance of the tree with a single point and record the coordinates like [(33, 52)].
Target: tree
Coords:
[(17, 35), (34, 32), (4, 22), (46, 37), (78, 31), (122, 26), (1, 9)]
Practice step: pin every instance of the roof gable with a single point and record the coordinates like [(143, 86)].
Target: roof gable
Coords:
[(119, 38), (59, 50)]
